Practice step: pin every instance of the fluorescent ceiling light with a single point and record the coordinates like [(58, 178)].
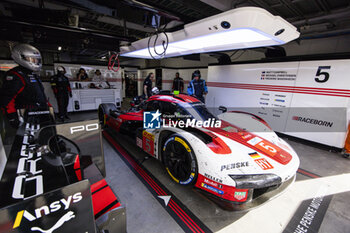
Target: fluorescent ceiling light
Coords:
[(246, 27)]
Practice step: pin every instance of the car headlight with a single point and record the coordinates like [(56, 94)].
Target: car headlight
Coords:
[(256, 181)]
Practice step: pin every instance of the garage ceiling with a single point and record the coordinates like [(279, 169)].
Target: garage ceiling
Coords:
[(93, 27)]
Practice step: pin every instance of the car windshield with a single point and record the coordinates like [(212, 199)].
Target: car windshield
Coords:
[(198, 111), (203, 111)]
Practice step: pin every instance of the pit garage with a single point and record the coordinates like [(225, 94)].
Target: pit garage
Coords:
[(175, 116)]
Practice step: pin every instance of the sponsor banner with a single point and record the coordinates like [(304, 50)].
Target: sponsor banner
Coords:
[(317, 120)]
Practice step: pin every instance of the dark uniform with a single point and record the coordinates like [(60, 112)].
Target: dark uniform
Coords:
[(148, 83), (61, 88), (197, 88), (178, 84), (21, 89)]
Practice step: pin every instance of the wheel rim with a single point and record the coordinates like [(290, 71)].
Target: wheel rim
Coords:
[(178, 161)]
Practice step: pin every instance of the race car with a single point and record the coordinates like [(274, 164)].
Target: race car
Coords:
[(234, 158)]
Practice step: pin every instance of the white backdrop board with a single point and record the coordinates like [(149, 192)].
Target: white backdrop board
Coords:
[(308, 99)]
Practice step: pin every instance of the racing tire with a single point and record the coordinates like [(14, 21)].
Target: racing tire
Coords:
[(104, 109), (179, 160)]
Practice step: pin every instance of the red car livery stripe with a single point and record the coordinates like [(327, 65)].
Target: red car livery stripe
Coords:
[(175, 98), (250, 140), (134, 116), (77, 168), (290, 89), (103, 198)]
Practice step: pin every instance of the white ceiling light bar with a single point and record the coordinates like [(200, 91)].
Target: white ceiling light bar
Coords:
[(246, 27)]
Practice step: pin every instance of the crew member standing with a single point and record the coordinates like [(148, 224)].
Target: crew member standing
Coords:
[(22, 87), (197, 87), (178, 83), (61, 88), (147, 86)]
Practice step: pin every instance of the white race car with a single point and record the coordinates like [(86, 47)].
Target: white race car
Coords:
[(234, 158)]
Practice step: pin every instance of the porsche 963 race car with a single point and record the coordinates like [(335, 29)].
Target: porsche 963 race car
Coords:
[(234, 158)]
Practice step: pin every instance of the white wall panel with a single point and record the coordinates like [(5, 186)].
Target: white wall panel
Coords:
[(277, 92), (168, 76)]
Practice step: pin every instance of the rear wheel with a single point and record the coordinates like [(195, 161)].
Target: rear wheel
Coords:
[(179, 160), (104, 109)]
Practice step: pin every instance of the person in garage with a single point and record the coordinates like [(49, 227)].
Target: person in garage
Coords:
[(178, 83), (82, 75), (147, 86), (197, 87), (21, 87), (61, 88), (98, 77)]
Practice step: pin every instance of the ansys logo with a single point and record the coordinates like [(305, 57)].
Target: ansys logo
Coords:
[(63, 204), (151, 120)]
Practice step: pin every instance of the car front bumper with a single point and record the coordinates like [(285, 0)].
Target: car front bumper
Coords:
[(255, 197)]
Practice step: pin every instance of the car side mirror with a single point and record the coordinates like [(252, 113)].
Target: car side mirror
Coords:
[(223, 109)]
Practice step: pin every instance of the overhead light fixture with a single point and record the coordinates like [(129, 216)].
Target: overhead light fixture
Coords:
[(246, 27), (59, 48)]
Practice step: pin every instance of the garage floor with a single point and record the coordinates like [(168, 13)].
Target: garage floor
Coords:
[(317, 202)]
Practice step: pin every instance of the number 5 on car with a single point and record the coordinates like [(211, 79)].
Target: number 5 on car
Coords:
[(148, 142)]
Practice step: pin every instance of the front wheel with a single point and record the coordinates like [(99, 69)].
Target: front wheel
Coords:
[(179, 160)]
